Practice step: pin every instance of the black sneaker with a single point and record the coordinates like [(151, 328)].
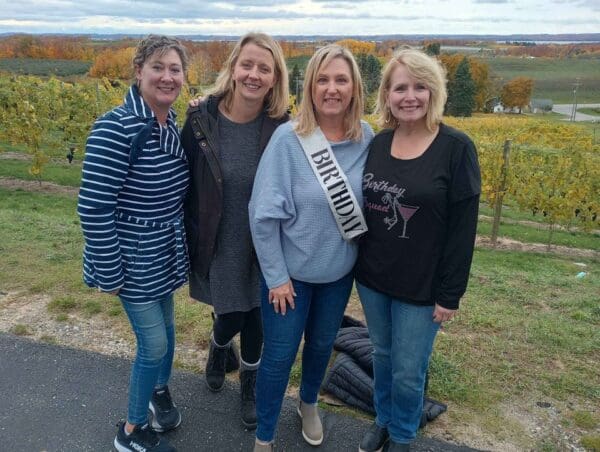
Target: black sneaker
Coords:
[(374, 439), (248, 396), (391, 446), (165, 415), (141, 439)]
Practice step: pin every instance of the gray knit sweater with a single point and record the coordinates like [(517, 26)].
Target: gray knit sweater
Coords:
[(293, 229)]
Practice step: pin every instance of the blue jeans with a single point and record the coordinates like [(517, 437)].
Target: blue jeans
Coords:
[(318, 314), (153, 325), (402, 335)]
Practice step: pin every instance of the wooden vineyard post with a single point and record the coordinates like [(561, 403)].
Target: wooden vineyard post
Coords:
[(500, 192)]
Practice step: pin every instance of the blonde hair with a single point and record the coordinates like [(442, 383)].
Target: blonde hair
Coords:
[(307, 122), (277, 100), (424, 68)]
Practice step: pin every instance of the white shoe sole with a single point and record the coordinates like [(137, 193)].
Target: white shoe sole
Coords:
[(159, 428), (312, 442), (378, 450), (119, 447)]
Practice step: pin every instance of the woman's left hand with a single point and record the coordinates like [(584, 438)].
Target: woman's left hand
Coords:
[(195, 102), (441, 314)]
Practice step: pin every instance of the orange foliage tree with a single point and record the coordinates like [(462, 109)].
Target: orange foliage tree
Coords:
[(46, 47), (217, 53), (517, 92), (113, 64), (357, 47), (198, 71)]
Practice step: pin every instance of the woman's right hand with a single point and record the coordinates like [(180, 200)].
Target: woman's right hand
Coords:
[(195, 102), (281, 295)]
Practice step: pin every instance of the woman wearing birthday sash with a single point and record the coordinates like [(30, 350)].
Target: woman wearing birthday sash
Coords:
[(304, 216)]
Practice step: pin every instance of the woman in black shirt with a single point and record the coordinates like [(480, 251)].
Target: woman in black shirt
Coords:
[(421, 191)]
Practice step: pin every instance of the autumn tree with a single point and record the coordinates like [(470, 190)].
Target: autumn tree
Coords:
[(517, 92), (217, 53), (357, 47), (461, 91), (197, 71), (113, 64)]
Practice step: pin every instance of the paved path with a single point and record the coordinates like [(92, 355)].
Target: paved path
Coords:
[(60, 399), (567, 109)]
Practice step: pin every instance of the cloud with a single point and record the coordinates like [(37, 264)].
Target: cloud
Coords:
[(342, 17)]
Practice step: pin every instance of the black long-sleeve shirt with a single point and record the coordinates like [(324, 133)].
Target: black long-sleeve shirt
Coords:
[(422, 219)]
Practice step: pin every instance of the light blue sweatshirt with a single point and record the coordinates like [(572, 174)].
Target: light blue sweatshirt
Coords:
[(293, 228)]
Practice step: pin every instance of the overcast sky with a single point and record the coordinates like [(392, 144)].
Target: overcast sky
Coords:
[(302, 17)]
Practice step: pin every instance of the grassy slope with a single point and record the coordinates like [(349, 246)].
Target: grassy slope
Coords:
[(553, 77)]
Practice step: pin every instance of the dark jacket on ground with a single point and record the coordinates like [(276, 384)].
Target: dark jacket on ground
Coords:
[(350, 378), (203, 205)]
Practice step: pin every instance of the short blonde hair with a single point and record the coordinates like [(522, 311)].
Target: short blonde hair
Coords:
[(424, 68), (277, 100), (307, 121)]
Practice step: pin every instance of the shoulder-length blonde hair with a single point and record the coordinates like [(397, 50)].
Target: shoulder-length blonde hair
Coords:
[(277, 100), (424, 68), (306, 121)]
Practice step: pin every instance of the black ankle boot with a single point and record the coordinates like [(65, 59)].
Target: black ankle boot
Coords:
[(215, 367), (248, 395), (233, 360)]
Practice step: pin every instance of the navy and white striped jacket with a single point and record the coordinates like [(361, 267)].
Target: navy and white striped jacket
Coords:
[(131, 210)]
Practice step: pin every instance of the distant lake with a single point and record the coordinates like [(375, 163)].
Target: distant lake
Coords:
[(551, 42)]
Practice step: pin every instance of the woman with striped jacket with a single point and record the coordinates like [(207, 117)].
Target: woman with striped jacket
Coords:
[(134, 180)]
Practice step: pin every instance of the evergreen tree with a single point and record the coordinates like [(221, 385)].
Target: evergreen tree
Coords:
[(372, 73), (461, 91), (433, 48), (370, 69), (295, 81)]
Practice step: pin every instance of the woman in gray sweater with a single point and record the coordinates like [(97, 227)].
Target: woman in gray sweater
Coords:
[(303, 216)]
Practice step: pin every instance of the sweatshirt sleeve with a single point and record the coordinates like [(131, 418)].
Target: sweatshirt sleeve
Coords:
[(105, 168), (462, 227), (271, 205), (458, 252)]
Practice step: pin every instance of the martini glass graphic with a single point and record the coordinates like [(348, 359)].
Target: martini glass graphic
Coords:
[(406, 212)]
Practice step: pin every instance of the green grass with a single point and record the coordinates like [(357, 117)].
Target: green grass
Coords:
[(591, 442), (58, 173), (532, 234), (41, 243), (585, 419), (553, 77), (63, 304), (527, 330), (44, 67), (52, 151), (20, 330), (526, 326), (590, 111)]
